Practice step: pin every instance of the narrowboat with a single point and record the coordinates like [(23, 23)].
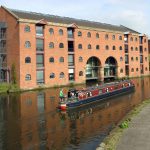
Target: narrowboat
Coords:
[(77, 98)]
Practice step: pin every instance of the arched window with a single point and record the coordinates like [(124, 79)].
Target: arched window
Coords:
[(97, 47), (113, 37), (80, 59), (27, 60), (131, 39), (136, 39), (132, 70), (79, 33), (145, 58), (28, 77), (51, 45), (107, 47), (136, 58), (121, 58), (51, 59), (61, 75), (121, 70), (131, 48), (136, 49), (27, 28), (61, 59), (114, 47), (120, 37), (146, 69), (89, 46), (27, 44), (61, 45), (81, 73), (106, 37), (80, 46), (120, 48), (52, 75), (60, 32), (88, 34), (51, 31), (137, 69), (97, 35), (132, 58)]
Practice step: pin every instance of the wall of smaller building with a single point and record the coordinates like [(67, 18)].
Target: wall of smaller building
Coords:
[(12, 42)]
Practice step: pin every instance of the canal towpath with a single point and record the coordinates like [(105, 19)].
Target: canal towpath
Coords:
[(137, 136)]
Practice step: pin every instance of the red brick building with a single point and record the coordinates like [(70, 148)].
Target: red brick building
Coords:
[(39, 49)]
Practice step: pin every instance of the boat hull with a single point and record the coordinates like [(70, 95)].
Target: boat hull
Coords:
[(101, 97)]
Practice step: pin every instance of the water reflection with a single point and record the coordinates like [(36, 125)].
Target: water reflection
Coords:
[(30, 120)]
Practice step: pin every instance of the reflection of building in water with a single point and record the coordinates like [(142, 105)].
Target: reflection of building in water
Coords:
[(30, 119)]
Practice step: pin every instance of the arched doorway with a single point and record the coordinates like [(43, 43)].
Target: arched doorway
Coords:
[(93, 68), (110, 69)]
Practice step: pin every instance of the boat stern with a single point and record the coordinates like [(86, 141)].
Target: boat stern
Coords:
[(62, 106)]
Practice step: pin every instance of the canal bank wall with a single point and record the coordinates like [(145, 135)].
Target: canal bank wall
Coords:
[(132, 132)]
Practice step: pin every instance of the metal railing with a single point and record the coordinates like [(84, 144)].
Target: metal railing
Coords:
[(2, 49), (3, 65)]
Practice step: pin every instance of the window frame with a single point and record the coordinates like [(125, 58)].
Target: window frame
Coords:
[(28, 77), (61, 32), (27, 60), (27, 44), (51, 60), (27, 29)]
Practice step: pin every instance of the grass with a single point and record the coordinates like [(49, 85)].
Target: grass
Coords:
[(113, 138), (5, 87)]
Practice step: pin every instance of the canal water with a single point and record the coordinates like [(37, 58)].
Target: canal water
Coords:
[(30, 120)]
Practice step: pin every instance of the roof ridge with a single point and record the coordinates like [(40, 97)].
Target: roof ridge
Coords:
[(24, 14), (61, 17)]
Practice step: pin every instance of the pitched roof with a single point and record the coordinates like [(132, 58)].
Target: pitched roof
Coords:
[(67, 20)]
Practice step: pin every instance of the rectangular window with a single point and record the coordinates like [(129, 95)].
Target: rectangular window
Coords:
[(70, 46), (71, 75), (70, 33), (71, 60), (141, 40), (41, 102), (141, 49), (39, 31), (40, 76), (39, 45), (126, 70), (141, 58), (2, 33), (126, 59), (40, 60), (126, 48)]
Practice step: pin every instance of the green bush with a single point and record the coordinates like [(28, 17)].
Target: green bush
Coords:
[(124, 124)]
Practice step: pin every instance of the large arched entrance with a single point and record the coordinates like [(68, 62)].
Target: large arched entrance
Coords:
[(110, 69), (93, 68)]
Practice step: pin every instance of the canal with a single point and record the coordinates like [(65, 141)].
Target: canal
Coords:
[(30, 120)]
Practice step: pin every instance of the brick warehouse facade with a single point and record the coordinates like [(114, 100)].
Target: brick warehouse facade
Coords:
[(40, 49)]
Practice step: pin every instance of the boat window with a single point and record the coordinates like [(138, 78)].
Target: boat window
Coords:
[(100, 91), (107, 90)]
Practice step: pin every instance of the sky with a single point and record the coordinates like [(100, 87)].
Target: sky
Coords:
[(134, 14)]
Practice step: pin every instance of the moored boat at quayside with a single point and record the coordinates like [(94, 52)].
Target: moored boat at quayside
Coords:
[(78, 98)]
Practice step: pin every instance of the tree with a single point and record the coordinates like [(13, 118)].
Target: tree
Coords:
[(13, 74)]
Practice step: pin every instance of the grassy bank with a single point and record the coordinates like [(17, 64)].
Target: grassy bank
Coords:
[(112, 140), (5, 88)]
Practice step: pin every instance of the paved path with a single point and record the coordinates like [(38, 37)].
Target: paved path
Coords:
[(137, 136)]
